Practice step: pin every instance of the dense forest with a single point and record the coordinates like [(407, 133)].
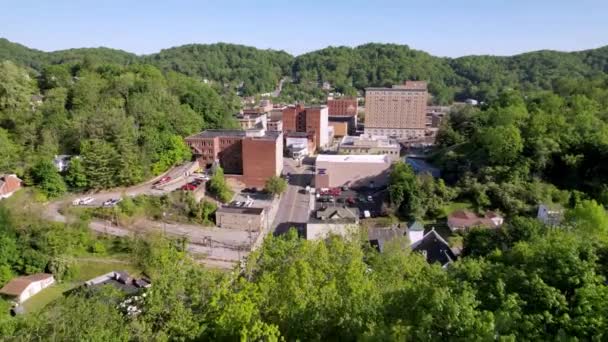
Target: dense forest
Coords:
[(254, 71)]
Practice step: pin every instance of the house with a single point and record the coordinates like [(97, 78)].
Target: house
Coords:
[(464, 220), (21, 289), (8, 185), (550, 214), (379, 237), (62, 162), (332, 221), (435, 249)]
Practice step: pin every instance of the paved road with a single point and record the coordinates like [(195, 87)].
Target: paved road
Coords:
[(294, 207)]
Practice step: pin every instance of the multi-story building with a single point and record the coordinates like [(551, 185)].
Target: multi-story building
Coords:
[(398, 112), (312, 120), (257, 120), (264, 106), (250, 156), (366, 144), (343, 114), (275, 125), (342, 107)]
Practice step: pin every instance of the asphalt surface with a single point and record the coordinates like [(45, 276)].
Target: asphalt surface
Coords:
[(294, 206)]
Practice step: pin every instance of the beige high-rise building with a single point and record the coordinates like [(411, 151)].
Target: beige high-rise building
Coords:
[(398, 112)]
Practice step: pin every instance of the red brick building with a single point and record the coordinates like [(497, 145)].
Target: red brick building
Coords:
[(342, 107), (251, 156), (311, 120)]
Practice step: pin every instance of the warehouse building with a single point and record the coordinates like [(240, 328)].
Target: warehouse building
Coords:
[(355, 171)]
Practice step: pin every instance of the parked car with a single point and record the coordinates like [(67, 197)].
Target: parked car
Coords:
[(111, 202), (188, 187), (370, 198), (86, 200)]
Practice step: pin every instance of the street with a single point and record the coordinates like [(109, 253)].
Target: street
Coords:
[(294, 207)]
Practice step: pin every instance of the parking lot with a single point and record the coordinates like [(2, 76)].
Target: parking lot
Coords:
[(364, 199)]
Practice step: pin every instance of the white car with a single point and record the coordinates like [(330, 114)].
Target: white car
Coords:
[(86, 200)]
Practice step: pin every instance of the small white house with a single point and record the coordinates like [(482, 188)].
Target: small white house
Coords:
[(62, 162), (21, 289), (550, 214)]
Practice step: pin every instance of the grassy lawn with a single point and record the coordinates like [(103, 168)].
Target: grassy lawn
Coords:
[(453, 206), (87, 268)]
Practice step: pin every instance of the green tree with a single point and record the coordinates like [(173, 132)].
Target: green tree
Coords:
[(590, 218), (8, 153), (76, 176), (503, 143), (99, 161), (404, 191), (218, 187), (275, 185), (46, 176)]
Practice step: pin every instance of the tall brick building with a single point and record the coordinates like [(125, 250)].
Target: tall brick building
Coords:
[(398, 112), (343, 113), (312, 120), (342, 107), (250, 156)]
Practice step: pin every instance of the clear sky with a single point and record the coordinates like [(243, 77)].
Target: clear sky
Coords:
[(444, 28)]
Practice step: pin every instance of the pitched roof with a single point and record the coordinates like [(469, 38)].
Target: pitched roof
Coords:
[(336, 213), (435, 248), (16, 286), (9, 184), (465, 218), (416, 225), (379, 236)]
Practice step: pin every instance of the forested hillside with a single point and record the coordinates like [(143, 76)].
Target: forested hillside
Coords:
[(254, 71), (259, 71), (480, 77), (126, 122)]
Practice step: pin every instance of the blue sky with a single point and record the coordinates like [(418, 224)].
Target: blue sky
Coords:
[(444, 28)]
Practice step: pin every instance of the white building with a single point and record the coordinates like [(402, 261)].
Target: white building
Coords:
[(21, 289), (550, 214)]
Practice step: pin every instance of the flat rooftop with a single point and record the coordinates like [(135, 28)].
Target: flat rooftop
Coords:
[(212, 133), (365, 141), (353, 158), (240, 210)]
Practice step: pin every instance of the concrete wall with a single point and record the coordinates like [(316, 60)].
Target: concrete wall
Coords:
[(240, 221), (340, 128), (34, 288)]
